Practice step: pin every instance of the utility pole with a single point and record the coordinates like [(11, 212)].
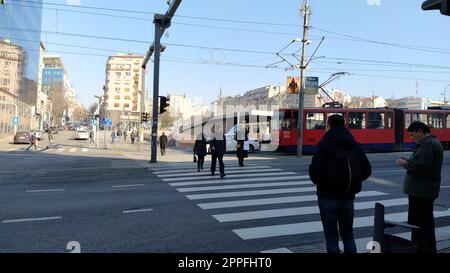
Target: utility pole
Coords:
[(162, 22), (305, 10)]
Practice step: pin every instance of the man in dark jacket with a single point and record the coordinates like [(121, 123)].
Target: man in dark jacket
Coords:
[(218, 149), (200, 150), (422, 184), (241, 136), (338, 168), (163, 140)]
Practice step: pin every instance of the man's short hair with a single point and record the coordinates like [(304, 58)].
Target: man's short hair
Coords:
[(418, 125), (336, 121)]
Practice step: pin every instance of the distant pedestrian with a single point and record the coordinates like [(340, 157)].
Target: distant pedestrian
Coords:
[(200, 150), (241, 137), (113, 137), (338, 168), (119, 135), (218, 150), (124, 136), (33, 141), (133, 137), (91, 137), (422, 184), (163, 140), (50, 139)]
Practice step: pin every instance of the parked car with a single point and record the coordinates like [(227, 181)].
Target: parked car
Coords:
[(54, 130), (22, 138), (81, 134)]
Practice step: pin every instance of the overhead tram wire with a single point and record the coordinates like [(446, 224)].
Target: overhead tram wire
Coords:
[(352, 38)]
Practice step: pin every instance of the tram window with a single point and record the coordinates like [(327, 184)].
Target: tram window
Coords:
[(419, 117), (294, 125), (375, 120), (407, 120), (389, 121), (315, 121), (447, 120), (436, 121), (357, 120), (285, 120)]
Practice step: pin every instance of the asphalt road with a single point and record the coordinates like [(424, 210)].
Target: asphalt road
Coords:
[(114, 201)]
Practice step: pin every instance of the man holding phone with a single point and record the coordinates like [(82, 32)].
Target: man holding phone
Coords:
[(422, 184)]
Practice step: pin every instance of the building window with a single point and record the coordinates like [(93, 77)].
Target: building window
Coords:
[(116, 105), (117, 97), (126, 105)]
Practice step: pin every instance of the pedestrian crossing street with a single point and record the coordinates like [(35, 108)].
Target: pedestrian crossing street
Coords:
[(261, 202)]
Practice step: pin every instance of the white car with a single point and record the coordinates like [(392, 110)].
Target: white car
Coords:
[(81, 134)]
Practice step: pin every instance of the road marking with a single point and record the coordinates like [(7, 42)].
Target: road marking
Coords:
[(31, 220), (128, 167), (229, 176), (383, 182), (311, 227), (445, 187), (193, 168), (84, 150), (228, 172), (36, 191), (125, 186), (244, 186), (135, 211), (248, 193), (73, 150), (389, 171), (274, 213), (60, 150), (277, 250), (54, 177), (223, 181), (189, 166), (277, 200)]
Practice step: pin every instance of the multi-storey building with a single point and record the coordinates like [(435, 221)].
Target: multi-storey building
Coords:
[(124, 90), (56, 79), (19, 64)]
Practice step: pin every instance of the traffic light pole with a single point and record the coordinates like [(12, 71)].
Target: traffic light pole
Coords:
[(162, 22), (157, 50)]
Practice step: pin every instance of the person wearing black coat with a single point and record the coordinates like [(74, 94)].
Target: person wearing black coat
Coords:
[(241, 136), (163, 140), (200, 150), (338, 168), (218, 149)]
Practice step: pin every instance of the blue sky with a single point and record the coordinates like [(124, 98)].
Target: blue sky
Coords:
[(204, 55)]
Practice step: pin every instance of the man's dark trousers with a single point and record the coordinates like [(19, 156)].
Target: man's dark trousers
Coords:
[(420, 213), (213, 164)]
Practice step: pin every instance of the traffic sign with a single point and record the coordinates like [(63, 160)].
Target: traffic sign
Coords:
[(93, 122), (15, 120)]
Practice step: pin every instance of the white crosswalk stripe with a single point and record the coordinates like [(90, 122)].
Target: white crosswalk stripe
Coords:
[(262, 202)]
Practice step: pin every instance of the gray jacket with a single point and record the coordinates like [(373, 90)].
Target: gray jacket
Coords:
[(423, 176)]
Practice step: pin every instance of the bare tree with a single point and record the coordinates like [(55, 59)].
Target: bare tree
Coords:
[(93, 108), (59, 103), (80, 114)]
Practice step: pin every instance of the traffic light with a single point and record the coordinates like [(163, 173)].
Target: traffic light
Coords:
[(163, 104), (144, 117), (442, 5)]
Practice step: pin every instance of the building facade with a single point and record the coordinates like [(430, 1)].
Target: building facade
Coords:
[(124, 90), (56, 85), (19, 64)]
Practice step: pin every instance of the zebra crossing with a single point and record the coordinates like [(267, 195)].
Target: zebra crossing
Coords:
[(256, 192)]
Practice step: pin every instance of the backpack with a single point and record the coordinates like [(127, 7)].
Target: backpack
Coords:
[(347, 176)]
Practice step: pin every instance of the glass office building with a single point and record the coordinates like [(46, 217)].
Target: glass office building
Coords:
[(20, 36)]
